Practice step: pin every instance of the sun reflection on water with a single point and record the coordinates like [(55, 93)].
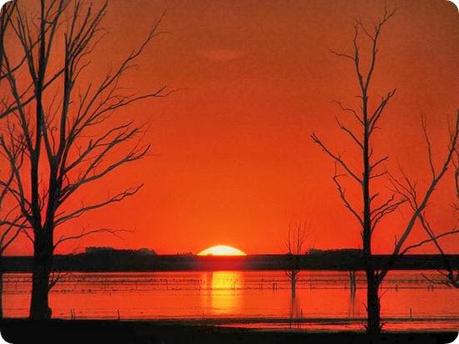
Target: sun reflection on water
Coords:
[(222, 295)]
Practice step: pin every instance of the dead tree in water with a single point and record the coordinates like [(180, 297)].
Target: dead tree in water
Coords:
[(450, 276), (374, 207), (66, 120), (294, 244)]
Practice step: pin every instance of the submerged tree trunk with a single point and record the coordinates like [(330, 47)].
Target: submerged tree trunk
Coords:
[(293, 283), (373, 303), (39, 306)]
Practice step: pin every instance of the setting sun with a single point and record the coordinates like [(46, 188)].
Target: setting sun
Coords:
[(221, 250)]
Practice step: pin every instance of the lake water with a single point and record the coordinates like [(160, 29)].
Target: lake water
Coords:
[(323, 300)]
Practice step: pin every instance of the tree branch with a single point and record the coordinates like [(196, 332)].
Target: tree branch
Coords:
[(335, 157)]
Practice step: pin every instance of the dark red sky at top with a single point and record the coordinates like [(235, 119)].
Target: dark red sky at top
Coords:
[(232, 162)]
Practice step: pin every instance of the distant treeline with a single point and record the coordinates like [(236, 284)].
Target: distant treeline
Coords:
[(341, 252), (103, 251), (125, 260)]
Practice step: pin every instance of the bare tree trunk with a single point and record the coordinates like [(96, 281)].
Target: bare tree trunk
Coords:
[(373, 304), (39, 306), (293, 284)]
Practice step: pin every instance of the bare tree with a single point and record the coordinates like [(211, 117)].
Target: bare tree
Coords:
[(374, 206), (294, 244), (11, 220), (67, 125), (8, 105), (450, 276)]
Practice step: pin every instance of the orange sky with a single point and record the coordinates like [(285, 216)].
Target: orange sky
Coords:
[(232, 162)]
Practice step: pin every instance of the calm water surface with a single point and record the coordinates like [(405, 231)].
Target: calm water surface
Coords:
[(323, 300)]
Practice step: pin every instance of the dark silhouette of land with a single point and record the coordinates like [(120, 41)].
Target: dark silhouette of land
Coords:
[(110, 260), (143, 332), (222, 331)]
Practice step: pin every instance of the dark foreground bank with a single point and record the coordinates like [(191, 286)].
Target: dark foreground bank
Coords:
[(101, 331)]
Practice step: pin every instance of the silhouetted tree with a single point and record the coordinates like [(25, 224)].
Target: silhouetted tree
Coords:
[(9, 103), (66, 124), (450, 275), (294, 243), (374, 208), (11, 219)]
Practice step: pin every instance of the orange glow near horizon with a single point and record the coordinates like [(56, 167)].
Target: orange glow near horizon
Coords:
[(231, 158), (221, 250)]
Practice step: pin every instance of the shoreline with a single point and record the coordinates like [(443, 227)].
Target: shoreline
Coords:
[(183, 331), (262, 262)]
